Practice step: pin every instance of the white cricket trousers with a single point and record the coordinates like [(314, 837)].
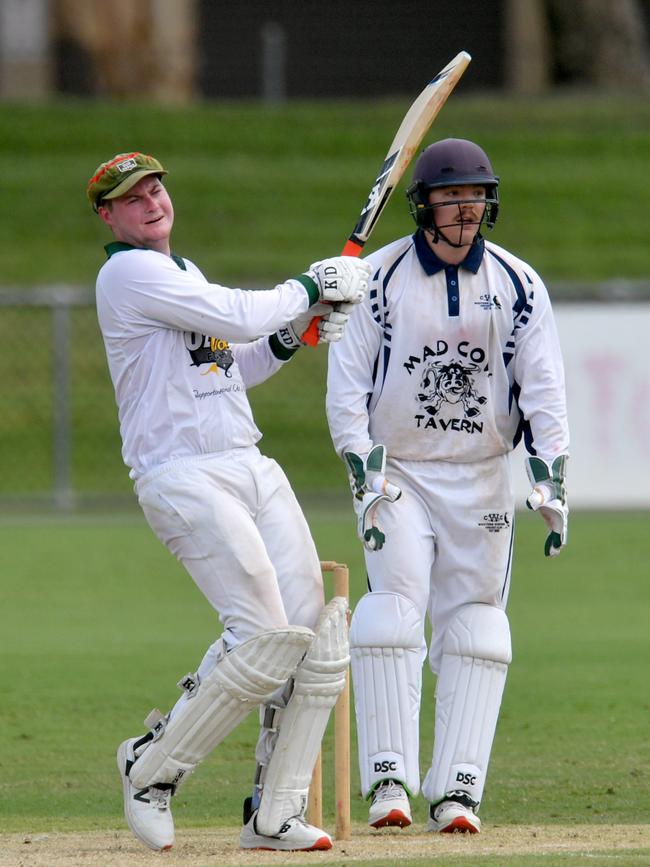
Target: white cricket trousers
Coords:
[(234, 523), (448, 539)]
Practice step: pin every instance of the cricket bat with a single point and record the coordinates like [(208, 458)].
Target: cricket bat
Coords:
[(416, 122)]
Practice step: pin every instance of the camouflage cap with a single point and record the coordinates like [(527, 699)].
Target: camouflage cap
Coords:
[(115, 177)]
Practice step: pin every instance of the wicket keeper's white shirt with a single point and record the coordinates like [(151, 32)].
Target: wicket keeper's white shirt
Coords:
[(182, 352), (449, 363)]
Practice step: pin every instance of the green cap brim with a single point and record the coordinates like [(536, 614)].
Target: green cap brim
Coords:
[(129, 182)]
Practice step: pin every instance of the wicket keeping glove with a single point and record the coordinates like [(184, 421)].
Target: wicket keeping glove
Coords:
[(370, 487), (548, 497)]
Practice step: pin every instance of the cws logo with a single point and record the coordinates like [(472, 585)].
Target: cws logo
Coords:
[(494, 522), (211, 351), (446, 386), (487, 302)]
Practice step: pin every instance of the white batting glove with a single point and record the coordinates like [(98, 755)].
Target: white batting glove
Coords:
[(370, 488), (548, 497), (331, 325), (341, 278), (290, 334)]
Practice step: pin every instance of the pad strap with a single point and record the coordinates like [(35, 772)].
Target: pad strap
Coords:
[(244, 678), (301, 724)]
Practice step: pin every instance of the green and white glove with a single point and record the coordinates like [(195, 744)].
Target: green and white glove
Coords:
[(548, 497), (370, 487)]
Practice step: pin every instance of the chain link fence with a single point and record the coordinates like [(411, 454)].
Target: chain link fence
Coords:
[(58, 418)]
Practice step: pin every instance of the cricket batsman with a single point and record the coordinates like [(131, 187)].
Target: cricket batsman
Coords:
[(182, 353), (451, 360)]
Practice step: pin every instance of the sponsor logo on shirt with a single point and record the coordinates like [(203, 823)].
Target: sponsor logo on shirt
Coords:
[(213, 351), (446, 389)]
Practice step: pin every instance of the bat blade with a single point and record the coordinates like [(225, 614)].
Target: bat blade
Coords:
[(407, 139), (412, 130)]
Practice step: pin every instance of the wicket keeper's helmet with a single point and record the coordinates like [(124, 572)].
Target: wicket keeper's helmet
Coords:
[(444, 164)]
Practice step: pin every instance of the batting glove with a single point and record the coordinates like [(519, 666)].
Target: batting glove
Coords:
[(331, 325), (341, 278), (548, 497), (370, 488)]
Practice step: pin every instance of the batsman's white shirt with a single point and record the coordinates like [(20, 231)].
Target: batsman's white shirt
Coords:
[(449, 363), (182, 352), (180, 364)]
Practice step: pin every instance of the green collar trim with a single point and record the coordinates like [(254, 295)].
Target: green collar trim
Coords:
[(120, 247)]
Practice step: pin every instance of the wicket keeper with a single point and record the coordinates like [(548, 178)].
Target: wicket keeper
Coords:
[(452, 359)]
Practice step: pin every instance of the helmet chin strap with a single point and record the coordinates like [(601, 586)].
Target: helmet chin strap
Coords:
[(437, 234)]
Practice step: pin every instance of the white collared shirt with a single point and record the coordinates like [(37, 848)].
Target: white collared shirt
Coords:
[(182, 352)]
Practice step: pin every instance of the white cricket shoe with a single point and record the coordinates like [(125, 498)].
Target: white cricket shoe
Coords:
[(454, 815), (147, 811), (294, 835), (390, 806)]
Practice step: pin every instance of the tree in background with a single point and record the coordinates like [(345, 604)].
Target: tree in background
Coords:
[(600, 44), (151, 48), (124, 48)]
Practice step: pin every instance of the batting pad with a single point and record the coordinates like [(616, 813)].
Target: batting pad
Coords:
[(476, 652), (301, 725), (245, 677), (386, 647)]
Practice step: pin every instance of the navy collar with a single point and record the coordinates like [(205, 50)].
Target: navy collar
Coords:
[(120, 246), (432, 263)]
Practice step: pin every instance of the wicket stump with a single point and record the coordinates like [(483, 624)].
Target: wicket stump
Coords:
[(341, 582)]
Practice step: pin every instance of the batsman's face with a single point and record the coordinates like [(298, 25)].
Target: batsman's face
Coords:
[(143, 216), (458, 211)]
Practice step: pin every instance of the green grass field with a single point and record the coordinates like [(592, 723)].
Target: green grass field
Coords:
[(260, 192), (98, 622)]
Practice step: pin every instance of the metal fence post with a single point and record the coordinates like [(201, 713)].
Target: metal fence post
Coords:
[(61, 408)]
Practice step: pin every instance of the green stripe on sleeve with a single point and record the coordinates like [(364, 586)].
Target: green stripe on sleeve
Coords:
[(280, 351), (311, 287)]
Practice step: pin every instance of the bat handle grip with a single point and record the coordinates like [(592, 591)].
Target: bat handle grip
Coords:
[(310, 336)]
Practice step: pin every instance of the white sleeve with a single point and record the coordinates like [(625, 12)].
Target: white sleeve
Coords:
[(256, 361), (539, 373), (350, 381), (150, 289)]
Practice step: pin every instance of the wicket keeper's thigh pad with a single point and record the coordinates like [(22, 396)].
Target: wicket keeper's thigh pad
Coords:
[(317, 683), (245, 677), (386, 648), (476, 652)]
